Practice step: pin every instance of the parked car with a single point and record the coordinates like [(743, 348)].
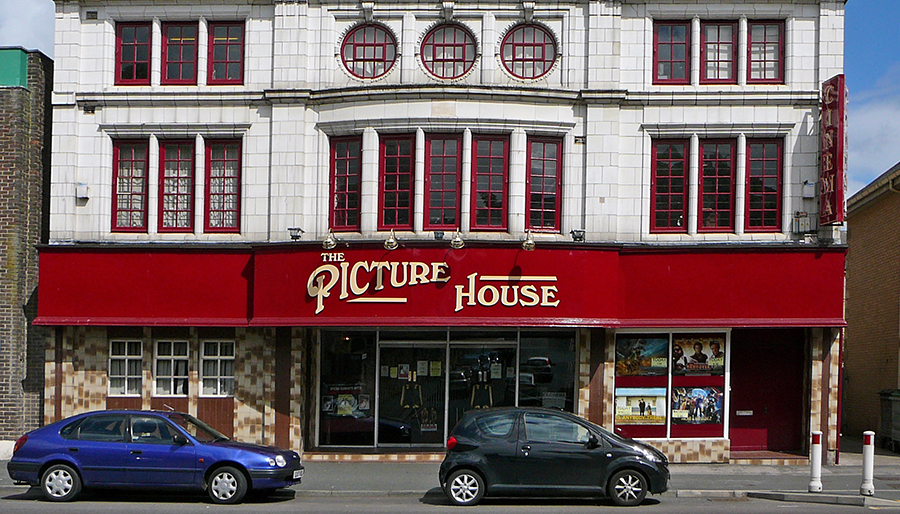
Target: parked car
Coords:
[(540, 367), (519, 451), (147, 449)]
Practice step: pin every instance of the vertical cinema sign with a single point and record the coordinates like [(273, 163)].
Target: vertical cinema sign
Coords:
[(832, 175)]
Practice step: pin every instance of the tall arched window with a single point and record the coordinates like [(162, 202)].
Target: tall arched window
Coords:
[(369, 51), (448, 51), (528, 51)]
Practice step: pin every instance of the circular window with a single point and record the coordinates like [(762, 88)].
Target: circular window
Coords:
[(528, 51), (369, 51), (448, 51)]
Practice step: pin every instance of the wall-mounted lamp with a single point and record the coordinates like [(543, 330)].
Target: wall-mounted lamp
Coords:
[(438, 235), (295, 232), (577, 235), (391, 242), (528, 243), (330, 241), (457, 242)]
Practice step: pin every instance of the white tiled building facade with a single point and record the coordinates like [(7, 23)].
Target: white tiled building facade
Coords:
[(600, 97), (663, 124)]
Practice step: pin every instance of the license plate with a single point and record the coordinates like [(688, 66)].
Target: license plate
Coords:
[(298, 473)]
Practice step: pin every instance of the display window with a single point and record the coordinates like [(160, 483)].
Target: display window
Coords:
[(670, 385)]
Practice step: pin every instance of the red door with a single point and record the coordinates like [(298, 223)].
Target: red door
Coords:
[(767, 376)]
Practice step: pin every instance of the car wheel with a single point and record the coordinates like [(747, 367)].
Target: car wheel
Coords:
[(627, 488), (464, 487), (227, 485), (60, 483)]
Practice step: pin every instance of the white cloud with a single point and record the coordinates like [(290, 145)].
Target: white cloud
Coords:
[(874, 138), (27, 23)]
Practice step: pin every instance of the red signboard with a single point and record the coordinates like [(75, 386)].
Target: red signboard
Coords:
[(832, 175), (365, 285)]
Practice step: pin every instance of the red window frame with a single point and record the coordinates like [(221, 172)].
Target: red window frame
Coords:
[(133, 53), (176, 186), (717, 185), (528, 51), (397, 165), (226, 53), (447, 47), (346, 176), (130, 182), (223, 198), (369, 51), (767, 41), (179, 53), (710, 53), (543, 184), (764, 189), (665, 193), (664, 51), (442, 181), (490, 182)]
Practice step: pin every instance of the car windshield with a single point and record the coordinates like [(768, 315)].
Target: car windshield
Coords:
[(198, 429)]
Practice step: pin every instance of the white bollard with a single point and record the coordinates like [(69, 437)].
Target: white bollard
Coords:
[(868, 485), (815, 463)]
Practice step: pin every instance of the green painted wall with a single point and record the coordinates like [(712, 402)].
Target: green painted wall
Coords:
[(13, 67)]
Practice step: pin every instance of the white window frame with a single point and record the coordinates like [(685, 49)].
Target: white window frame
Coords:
[(126, 358), (171, 377), (219, 378)]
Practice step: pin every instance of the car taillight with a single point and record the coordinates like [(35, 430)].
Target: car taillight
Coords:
[(19, 443), (451, 442)]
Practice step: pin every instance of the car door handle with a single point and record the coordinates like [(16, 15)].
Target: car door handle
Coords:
[(136, 452), (73, 449), (525, 449)]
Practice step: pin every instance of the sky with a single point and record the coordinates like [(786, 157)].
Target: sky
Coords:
[(871, 64)]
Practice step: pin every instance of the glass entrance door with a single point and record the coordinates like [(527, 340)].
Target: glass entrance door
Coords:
[(481, 376), (411, 395)]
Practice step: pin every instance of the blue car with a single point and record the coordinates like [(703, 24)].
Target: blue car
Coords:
[(147, 449)]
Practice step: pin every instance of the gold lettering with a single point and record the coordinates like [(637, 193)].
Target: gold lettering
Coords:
[(529, 292), (394, 281), (548, 293), (827, 184), (344, 293), (316, 288), (827, 162), (482, 296), (828, 141), (460, 294), (418, 273), (354, 285), (437, 269), (828, 94), (504, 290), (379, 268)]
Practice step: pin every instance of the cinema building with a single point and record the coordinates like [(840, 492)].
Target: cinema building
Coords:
[(338, 226)]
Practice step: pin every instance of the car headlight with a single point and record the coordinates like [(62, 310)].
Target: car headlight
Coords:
[(271, 461), (280, 461), (650, 455)]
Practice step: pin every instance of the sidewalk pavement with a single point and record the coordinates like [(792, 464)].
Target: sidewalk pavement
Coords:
[(840, 483)]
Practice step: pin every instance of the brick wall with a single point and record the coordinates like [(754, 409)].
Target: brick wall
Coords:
[(24, 168), (873, 295)]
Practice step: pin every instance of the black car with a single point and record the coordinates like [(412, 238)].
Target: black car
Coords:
[(518, 451)]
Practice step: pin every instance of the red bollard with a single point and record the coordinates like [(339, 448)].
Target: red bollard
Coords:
[(815, 463), (868, 485)]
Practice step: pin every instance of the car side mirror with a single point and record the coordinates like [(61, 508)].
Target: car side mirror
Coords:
[(592, 442), (179, 439)]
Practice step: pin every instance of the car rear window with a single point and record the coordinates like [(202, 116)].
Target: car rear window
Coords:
[(496, 425), (102, 428)]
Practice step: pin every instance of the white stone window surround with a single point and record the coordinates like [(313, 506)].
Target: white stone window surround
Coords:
[(738, 132), (697, 13), (199, 134), (516, 176)]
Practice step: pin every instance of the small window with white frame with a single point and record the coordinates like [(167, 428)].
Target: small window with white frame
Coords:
[(171, 374), (125, 368), (217, 368)]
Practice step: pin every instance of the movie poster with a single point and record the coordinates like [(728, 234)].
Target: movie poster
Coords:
[(642, 356), (698, 355), (640, 406), (697, 405)]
